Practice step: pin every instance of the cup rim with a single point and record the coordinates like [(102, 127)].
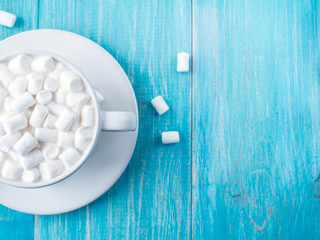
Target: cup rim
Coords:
[(96, 129)]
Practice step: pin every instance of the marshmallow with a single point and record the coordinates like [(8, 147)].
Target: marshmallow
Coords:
[(77, 100), (38, 115), (17, 86), (51, 84), (11, 170), (183, 62), (15, 123), (14, 156), (31, 160), (25, 144), (51, 169), (7, 103), (99, 96), (23, 102), (160, 105), (170, 137), (50, 121), (8, 140), (60, 96), (46, 134), (35, 82), (71, 81), (65, 120), (55, 74), (44, 97), (87, 116), (69, 157), (30, 176), (43, 64), (7, 19), (82, 137), (65, 139), (75, 124), (3, 93), (56, 108), (50, 151), (20, 64), (6, 76), (6, 115)]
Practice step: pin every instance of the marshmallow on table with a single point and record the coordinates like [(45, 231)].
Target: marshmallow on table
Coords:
[(82, 138), (11, 170), (7, 19), (20, 64), (50, 151), (31, 175), (35, 82), (6, 76), (160, 105), (43, 64), (170, 137), (65, 120), (38, 115), (17, 86), (100, 97), (51, 169), (183, 62), (50, 121), (9, 140), (23, 102), (46, 134), (15, 123), (65, 139), (60, 96), (50, 84), (69, 157), (77, 100), (25, 144), (71, 81), (55, 74), (87, 116), (3, 93), (44, 97), (56, 108), (31, 160)]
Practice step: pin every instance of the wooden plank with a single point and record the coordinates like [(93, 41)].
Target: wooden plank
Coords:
[(153, 197), (13, 224), (256, 126)]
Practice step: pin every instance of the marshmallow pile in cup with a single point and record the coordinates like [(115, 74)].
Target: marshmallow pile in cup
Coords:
[(47, 118)]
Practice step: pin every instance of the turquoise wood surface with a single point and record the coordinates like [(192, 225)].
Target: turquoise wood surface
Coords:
[(248, 163)]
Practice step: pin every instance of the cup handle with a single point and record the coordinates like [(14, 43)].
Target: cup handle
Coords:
[(118, 121)]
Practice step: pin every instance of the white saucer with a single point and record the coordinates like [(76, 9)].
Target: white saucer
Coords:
[(113, 151)]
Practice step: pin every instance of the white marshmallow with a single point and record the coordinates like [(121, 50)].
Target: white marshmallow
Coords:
[(46, 134), (77, 100), (50, 121), (65, 139), (44, 97), (69, 157), (35, 82), (99, 96), (31, 160), (71, 81), (75, 124), (3, 93), (30, 176), (160, 105), (38, 115), (17, 86), (20, 64), (56, 108), (51, 169), (170, 137), (65, 120), (7, 19), (60, 96), (15, 123), (51, 84), (6, 76), (25, 144), (23, 102), (87, 116), (55, 74), (14, 156), (7, 103), (11, 170), (43, 64), (6, 115), (50, 151), (9, 140), (183, 62), (82, 137)]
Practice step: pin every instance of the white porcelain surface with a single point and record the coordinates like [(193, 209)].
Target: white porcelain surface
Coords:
[(114, 149)]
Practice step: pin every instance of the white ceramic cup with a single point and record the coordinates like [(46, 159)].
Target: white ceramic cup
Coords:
[(104, 121)]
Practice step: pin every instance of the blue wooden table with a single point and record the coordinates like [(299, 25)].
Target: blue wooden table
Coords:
[(248, 164)]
